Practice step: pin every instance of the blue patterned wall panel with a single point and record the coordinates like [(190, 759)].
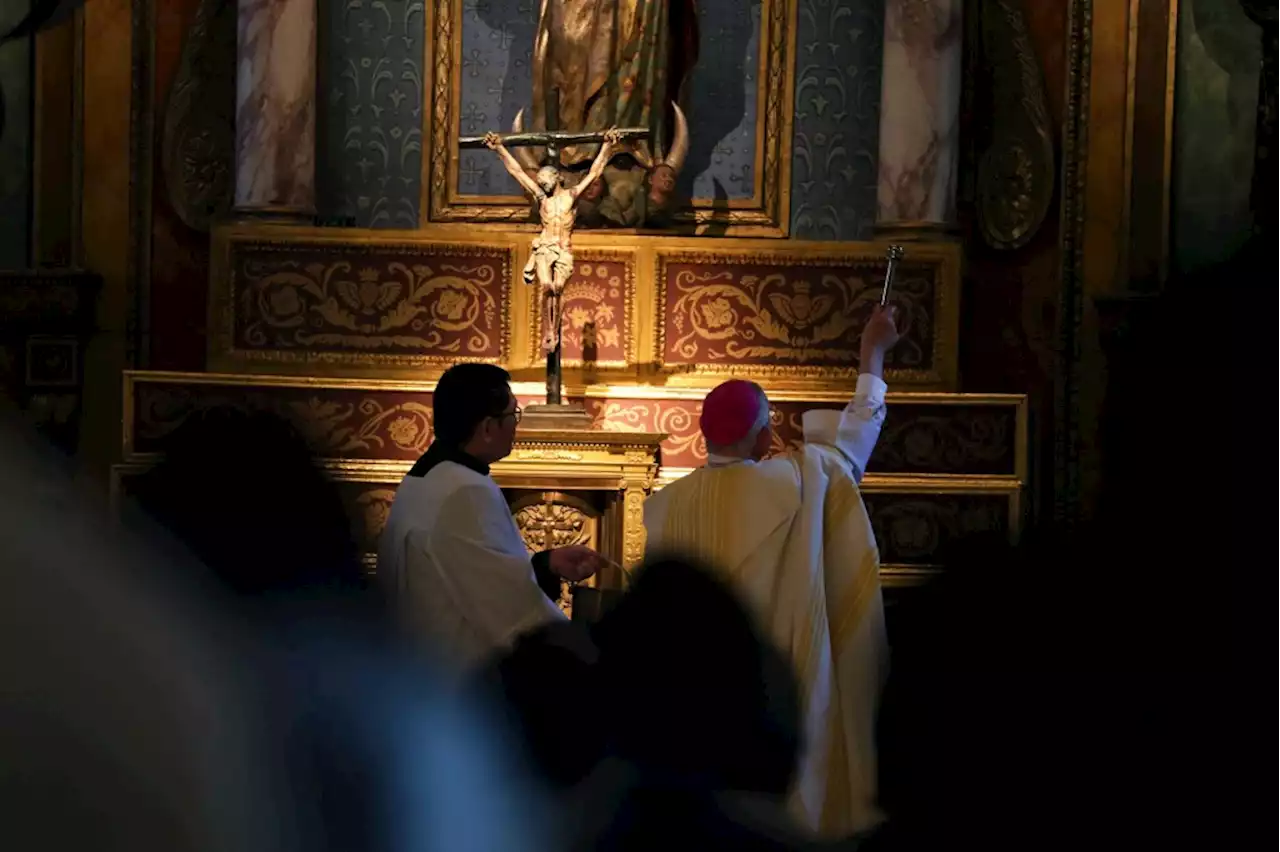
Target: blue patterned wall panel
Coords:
[(837, 125), (369, 164)]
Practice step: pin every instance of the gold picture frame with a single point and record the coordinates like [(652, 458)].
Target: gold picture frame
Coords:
[(765, 214)]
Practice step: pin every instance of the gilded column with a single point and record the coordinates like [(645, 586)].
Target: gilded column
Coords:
[(275, 108), (919, 116)]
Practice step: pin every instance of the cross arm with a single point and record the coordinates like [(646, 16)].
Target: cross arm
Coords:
[(559, 138)]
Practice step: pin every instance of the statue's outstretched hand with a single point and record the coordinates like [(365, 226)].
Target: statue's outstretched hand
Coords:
[(492, 141), (612, 137)]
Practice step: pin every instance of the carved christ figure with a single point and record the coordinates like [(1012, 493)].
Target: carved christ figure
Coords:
[(551, 259)]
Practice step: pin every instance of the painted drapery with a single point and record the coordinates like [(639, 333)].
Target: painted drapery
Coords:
[(615, 63)]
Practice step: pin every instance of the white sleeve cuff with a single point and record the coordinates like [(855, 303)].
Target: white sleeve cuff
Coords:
[(872, 387)]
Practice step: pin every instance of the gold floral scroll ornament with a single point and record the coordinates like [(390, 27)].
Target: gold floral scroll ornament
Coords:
[(398, 306), (337, 427), (678, 421), (766, 317)]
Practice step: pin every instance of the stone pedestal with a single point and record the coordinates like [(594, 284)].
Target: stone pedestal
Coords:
[(919, 118), (275, 109)]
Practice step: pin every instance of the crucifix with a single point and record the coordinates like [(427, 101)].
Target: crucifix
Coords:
[(551, 257)]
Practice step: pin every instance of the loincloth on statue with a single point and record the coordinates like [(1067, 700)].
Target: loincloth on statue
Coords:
[(559, 260)]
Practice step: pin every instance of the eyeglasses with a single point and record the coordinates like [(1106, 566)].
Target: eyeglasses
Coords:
[(517, 413)]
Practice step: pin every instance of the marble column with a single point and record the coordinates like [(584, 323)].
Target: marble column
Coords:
[(276, 108), (919, 115)]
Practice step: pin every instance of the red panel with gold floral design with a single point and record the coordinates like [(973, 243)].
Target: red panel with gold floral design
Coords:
[(368, 303), (356, 424), (597, 306), (790, 314), (685, 446), (340, 423)]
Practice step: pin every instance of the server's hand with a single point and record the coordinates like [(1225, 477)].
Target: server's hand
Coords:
[(575, 563)]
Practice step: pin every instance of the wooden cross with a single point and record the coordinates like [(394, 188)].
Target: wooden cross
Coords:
[(553, 139)]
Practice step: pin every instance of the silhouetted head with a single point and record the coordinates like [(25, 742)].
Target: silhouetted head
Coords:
[(473, 410), (691, 690), (242, 492)]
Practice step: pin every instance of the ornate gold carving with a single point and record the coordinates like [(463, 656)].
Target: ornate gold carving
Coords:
[(633, 525), (198, 146), (552, 519), (1015, 174), (767, 213), (547, 455), (374, 506)]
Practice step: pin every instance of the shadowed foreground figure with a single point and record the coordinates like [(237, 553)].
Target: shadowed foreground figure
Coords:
[(693, 728), (241, 491), (366, 748)]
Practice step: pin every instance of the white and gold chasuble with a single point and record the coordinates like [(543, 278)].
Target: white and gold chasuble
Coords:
[(792, 536)]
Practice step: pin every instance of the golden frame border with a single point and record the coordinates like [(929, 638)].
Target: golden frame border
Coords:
[(224, 355), (794, 253), (590, 254), (766, 214)]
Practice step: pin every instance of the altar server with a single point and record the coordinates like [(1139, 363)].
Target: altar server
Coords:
[(451, 556), (792, 535)]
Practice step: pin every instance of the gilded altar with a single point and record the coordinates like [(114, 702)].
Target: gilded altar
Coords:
[(948, 465), (767, 271)]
